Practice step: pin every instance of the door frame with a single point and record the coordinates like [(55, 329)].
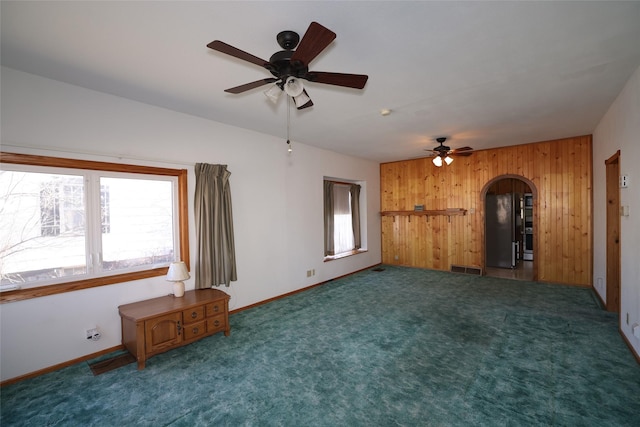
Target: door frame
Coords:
[(613, 235), (483, 201)]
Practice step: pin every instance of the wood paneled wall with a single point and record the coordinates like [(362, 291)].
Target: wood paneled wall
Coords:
[(559, 171)]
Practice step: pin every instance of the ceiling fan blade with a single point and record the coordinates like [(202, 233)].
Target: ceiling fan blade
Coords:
[(249, 86), (314, 41), (237, 53), (462, 151), (356, 81)]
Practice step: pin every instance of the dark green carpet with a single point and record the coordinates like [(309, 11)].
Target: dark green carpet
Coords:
[(401, 347)]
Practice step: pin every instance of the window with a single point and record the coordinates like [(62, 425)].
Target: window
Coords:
[(68, 224), (341, 218)]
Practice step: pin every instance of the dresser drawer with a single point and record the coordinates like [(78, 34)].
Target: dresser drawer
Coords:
[(215, 308), (194, 330), (194, 314), (216, 323), (156, 325)]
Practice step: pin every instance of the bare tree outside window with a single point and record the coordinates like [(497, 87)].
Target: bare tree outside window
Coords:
[(46, 226), (41, 226)]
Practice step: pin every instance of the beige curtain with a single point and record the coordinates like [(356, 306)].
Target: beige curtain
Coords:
[(355, 214), (335, 197), (328, 219), (215, 258)]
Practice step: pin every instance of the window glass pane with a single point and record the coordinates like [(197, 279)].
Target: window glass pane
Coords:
[(137, 222), (42, 218)]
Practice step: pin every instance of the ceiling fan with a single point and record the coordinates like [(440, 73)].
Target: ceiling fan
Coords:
[(444, 153), (290, 66)]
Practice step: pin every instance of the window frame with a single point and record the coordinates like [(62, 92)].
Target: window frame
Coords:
[(363, 212), (74, 285)]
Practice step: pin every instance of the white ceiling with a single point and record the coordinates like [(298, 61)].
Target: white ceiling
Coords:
[(484, 74)]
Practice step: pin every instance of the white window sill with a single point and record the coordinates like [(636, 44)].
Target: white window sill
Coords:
[(344, 254)]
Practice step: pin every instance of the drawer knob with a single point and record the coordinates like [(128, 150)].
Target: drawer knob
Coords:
[(194, 315), (195, 331), (216, 323), (216, 309)]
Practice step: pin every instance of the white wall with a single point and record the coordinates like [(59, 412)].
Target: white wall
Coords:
[(619, 129), (277, 207)]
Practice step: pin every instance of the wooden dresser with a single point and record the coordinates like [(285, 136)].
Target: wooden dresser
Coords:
[(160, 324)]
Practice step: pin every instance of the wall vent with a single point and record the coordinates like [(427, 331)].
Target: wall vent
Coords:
[(476, 271)]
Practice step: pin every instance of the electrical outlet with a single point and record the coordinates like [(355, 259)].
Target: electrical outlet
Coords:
[(624, 181), (93, 334), (308, 273)]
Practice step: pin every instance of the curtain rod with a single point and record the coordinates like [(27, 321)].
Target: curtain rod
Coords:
[(341, 182), (88, 153)]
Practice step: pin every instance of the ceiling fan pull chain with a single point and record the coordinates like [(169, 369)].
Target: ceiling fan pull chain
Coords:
[(289, 149)]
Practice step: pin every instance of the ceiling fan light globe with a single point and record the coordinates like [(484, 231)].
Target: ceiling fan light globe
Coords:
[(293, 87), (448, 160), (301, 99), (437, 160), (273, 93)]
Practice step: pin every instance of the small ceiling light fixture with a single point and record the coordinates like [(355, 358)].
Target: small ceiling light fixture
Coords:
[(437, 160), (294, 88), (442, 152), (385, 112)]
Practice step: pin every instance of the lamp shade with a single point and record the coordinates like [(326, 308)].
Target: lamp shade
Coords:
[(437, 160), (448, 160), (293, 87), (177, 272), (301, 100), (273, 93)]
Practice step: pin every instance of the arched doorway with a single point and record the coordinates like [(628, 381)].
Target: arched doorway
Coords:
[(509, 226)]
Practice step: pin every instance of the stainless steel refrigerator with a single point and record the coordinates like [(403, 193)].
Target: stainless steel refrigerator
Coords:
[(500, 235)]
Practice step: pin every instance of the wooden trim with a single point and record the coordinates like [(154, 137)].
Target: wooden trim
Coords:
[(46, 290), (257, 304), (614, 158), (59, 162), (70, 286), (60, 365), (183, 211), (613, 233), (633, 351), (447, 212), (536, 208)]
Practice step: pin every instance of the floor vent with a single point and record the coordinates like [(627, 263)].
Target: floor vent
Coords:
[(476, 271), (378, 269)]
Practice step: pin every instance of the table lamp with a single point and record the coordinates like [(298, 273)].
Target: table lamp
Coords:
[(176, 274)]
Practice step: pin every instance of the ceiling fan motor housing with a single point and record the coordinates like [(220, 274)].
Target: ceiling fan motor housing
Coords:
[(282, 67)]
